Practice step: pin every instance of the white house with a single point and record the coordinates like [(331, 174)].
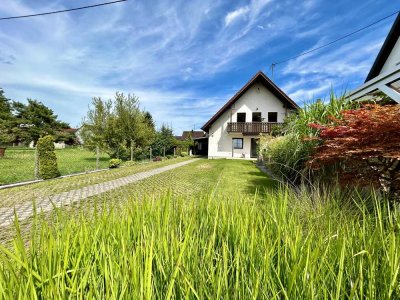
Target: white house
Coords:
[(234, 130), (384, 76)]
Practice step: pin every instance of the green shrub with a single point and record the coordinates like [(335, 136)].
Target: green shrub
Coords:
[(47, 158), (183, 154), (114, 163), (169, 156)]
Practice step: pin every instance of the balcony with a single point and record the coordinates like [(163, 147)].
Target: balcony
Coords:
[(251, 128)]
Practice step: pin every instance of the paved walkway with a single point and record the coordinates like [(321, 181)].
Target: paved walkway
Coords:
[(46, 204)]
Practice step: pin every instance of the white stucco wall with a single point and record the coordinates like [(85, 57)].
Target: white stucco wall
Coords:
[(393, 59), (256, 99)]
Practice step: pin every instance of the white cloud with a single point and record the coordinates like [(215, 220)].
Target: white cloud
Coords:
[(235, 14), (163, 52)]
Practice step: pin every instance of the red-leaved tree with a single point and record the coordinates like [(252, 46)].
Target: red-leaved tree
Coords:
[(366, 144)]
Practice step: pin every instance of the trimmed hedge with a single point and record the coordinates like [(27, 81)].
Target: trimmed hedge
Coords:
[(48, 167)]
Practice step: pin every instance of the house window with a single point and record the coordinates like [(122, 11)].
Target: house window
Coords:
[(256, 117), (237, 143), (241, 117), (273, 117)]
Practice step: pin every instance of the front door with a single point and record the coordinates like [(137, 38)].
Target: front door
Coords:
[(253, 148)]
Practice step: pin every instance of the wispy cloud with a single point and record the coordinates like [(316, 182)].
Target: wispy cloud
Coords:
[(233, 15), (181, 58)]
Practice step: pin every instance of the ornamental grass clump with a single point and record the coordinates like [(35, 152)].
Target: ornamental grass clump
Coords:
[(47, 158), (287, 156), (288, 245)]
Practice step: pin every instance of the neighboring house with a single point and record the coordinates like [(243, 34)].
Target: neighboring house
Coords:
[(384, 76), (256, 108), (190, 134), (200, 141)]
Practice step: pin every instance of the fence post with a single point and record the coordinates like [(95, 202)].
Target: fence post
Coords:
[(174, 151), (97, 157), (131, 150), (36, 172), (164, 152), (151, 153)]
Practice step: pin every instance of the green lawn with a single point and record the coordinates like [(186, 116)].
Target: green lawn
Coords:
[(18, 164), (225, 177)]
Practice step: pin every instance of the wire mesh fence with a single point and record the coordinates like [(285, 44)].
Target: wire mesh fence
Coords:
[(20, 164)]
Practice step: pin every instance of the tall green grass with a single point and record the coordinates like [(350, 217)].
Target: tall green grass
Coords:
[(286, 156), (285, 246)]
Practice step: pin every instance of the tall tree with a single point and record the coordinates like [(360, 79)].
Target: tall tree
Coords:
[(118, 126), (35, 120), (128, 119), (164, 140), (6, 119), (95, 124)]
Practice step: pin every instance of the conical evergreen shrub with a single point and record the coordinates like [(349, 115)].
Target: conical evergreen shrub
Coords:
[(47, 158)]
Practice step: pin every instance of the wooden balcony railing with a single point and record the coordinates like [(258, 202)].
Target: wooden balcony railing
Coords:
[(251, 127)]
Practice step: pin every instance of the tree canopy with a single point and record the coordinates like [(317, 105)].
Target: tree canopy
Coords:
[(23, 123), (118, 126), (164, 140)]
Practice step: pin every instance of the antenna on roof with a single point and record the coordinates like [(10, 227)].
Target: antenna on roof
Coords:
[(272, 71)]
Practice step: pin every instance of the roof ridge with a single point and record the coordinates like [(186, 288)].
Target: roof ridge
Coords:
[(273, 88)]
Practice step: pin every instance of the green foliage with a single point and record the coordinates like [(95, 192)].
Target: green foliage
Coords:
[(114, 163), (164, 140), (118, 127), (47, 158), (184, 153), (287, 155), (23, 123), (169, 156), (34, 120), (6, 120)]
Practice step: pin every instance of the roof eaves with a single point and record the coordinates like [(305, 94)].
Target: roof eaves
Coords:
[(386, 49)]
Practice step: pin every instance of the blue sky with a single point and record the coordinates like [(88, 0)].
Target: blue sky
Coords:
[(183, 59)]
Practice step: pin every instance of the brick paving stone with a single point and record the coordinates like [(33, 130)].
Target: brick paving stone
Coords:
[(46, 204)]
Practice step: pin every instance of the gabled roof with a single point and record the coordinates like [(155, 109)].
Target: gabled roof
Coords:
[(386, 49), (192, 133), (259, 77)]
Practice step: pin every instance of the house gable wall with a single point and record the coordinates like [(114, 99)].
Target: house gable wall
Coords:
[(256, 99)]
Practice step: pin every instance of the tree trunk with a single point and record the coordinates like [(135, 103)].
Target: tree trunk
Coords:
[(389, 176), (97, 157)]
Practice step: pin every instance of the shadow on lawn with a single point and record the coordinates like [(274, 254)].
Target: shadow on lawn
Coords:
[(260, 182), (93, 159)]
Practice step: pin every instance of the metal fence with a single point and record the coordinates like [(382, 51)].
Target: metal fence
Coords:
[(20, 164)]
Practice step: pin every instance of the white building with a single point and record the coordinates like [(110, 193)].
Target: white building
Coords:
[(384, 76), (234, 130)]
